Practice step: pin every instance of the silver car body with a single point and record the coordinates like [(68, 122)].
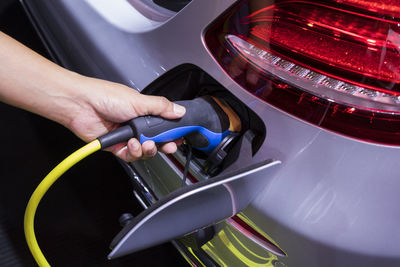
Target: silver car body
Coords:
[(332, 202)]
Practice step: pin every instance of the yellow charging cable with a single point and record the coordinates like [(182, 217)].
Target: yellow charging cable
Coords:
[(38, 194)]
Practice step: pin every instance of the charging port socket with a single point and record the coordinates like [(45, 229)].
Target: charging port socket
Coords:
[(187, 82)]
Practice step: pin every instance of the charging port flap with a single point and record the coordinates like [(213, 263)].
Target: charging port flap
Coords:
[(197, 205)]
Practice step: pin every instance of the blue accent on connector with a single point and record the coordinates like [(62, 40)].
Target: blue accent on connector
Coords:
[(213, 138)]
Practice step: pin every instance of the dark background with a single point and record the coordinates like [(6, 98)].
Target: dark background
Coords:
[(78, 217)]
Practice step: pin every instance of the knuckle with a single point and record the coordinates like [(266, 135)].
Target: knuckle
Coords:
[(164, 101)]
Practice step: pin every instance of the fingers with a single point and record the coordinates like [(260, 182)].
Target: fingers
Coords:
[(169, 148), (149, 149), (133, 151), (158, 105)]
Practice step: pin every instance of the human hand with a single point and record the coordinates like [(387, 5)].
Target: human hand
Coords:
[(87, 106), (104, 105)]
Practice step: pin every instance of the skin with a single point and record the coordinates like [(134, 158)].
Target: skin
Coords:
[(87, 106)]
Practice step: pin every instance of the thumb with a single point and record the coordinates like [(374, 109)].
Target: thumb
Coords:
[(159, 105)]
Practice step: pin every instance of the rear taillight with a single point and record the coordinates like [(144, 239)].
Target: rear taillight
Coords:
[(387, 7), (335, 64)]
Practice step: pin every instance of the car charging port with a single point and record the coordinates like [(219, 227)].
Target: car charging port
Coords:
[(187, 82)]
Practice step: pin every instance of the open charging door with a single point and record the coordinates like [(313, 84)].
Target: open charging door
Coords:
[(198, 205)]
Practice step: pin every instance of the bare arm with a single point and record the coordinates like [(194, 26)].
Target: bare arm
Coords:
[(89, 107)]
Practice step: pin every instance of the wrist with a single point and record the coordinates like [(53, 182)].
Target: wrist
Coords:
[(61, 99)]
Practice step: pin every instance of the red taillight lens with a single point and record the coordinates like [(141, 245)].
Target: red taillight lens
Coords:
[(329, 63), (387, 7), (331, 40)]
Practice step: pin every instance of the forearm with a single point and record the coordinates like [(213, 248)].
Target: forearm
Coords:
[(31, 82), (89, 107)]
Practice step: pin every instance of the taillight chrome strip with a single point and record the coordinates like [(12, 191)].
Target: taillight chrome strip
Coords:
[(313, 82)]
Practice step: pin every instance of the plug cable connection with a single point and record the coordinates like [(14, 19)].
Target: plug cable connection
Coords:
[(187, 164)]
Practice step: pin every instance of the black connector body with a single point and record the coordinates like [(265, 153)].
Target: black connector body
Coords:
[(119, 135), (206, 123)]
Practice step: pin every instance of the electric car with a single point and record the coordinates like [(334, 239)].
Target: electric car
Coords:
[(312, 177)]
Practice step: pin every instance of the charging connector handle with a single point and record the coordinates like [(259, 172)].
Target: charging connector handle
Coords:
[(206, 123)]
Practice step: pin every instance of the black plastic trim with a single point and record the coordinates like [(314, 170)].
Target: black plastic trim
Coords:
[(173, 5)]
